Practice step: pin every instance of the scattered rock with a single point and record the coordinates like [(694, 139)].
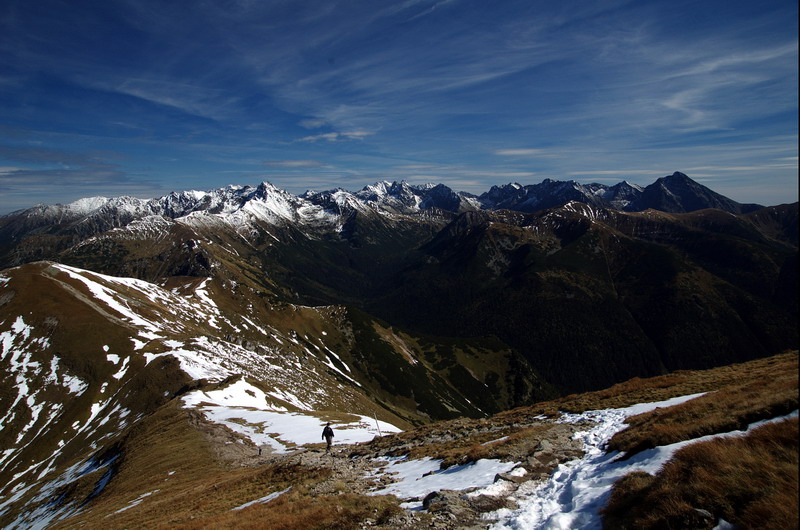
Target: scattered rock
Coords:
[(544, 445), (444, 500), (450, 509), (489, 503), (516, 479)]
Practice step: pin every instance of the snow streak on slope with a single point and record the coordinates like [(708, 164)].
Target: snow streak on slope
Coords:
[(33, 380), (47, 508), (191, 327)]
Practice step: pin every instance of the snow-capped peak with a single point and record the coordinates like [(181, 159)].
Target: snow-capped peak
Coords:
[(87, 205)]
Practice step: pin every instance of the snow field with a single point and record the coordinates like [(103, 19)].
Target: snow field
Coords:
[(249, 411), (264, 500)]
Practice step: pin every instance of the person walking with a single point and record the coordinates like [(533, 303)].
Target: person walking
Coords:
[(327, 435)]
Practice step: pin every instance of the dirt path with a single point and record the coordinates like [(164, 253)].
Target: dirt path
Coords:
[(356, 470)]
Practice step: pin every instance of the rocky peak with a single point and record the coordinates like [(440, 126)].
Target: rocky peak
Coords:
[(679, 193)]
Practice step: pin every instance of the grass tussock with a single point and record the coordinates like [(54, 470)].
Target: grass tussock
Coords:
[(767, 395), (750, 481), (294, 510)]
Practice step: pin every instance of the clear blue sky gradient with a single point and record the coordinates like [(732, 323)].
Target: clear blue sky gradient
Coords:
[(135, 97)]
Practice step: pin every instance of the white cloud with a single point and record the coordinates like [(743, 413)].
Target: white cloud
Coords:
[(520, 152), (713, 64), (330, 137)]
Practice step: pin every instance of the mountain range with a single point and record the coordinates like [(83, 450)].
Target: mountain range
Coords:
[(404, 303)]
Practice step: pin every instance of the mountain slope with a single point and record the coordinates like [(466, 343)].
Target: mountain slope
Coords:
[(684, 290), (167, 468), (593, 296), (86, 356), (403, 304)]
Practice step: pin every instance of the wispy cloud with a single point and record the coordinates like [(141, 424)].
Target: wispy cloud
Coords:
[(48, 173), (312, 123), (619, 172), (336, 136), (297, 164), (521, 152), (465, 91), (195, 100)]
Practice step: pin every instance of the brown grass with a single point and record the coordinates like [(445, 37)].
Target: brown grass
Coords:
[(199, 486), (659, 388), (202, 491), (767, 394), (294, 510), (750, 481), (679, 383)]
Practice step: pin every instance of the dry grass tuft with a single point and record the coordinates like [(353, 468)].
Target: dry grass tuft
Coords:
[(750, 481), (679, 383), (766, 395)]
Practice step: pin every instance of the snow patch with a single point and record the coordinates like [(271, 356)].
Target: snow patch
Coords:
[(418, 478), (263, 500)]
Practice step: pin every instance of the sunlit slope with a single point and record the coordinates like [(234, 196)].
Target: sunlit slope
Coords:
[(85, 356)]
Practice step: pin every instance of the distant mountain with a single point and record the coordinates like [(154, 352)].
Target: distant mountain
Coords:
[(551, 193), (36, 233), (675, 193), (678, 193), (546, 281)]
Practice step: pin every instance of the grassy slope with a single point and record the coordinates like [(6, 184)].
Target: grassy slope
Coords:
[(750, 481), (171, 464), (768, 392), (202, 490)]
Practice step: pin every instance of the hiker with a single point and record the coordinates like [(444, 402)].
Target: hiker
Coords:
[(327, 434)]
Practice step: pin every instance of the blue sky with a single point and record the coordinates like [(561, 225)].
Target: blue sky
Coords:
[(134, 97)]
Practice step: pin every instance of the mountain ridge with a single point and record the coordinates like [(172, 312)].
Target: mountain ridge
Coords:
[(677, 193)]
